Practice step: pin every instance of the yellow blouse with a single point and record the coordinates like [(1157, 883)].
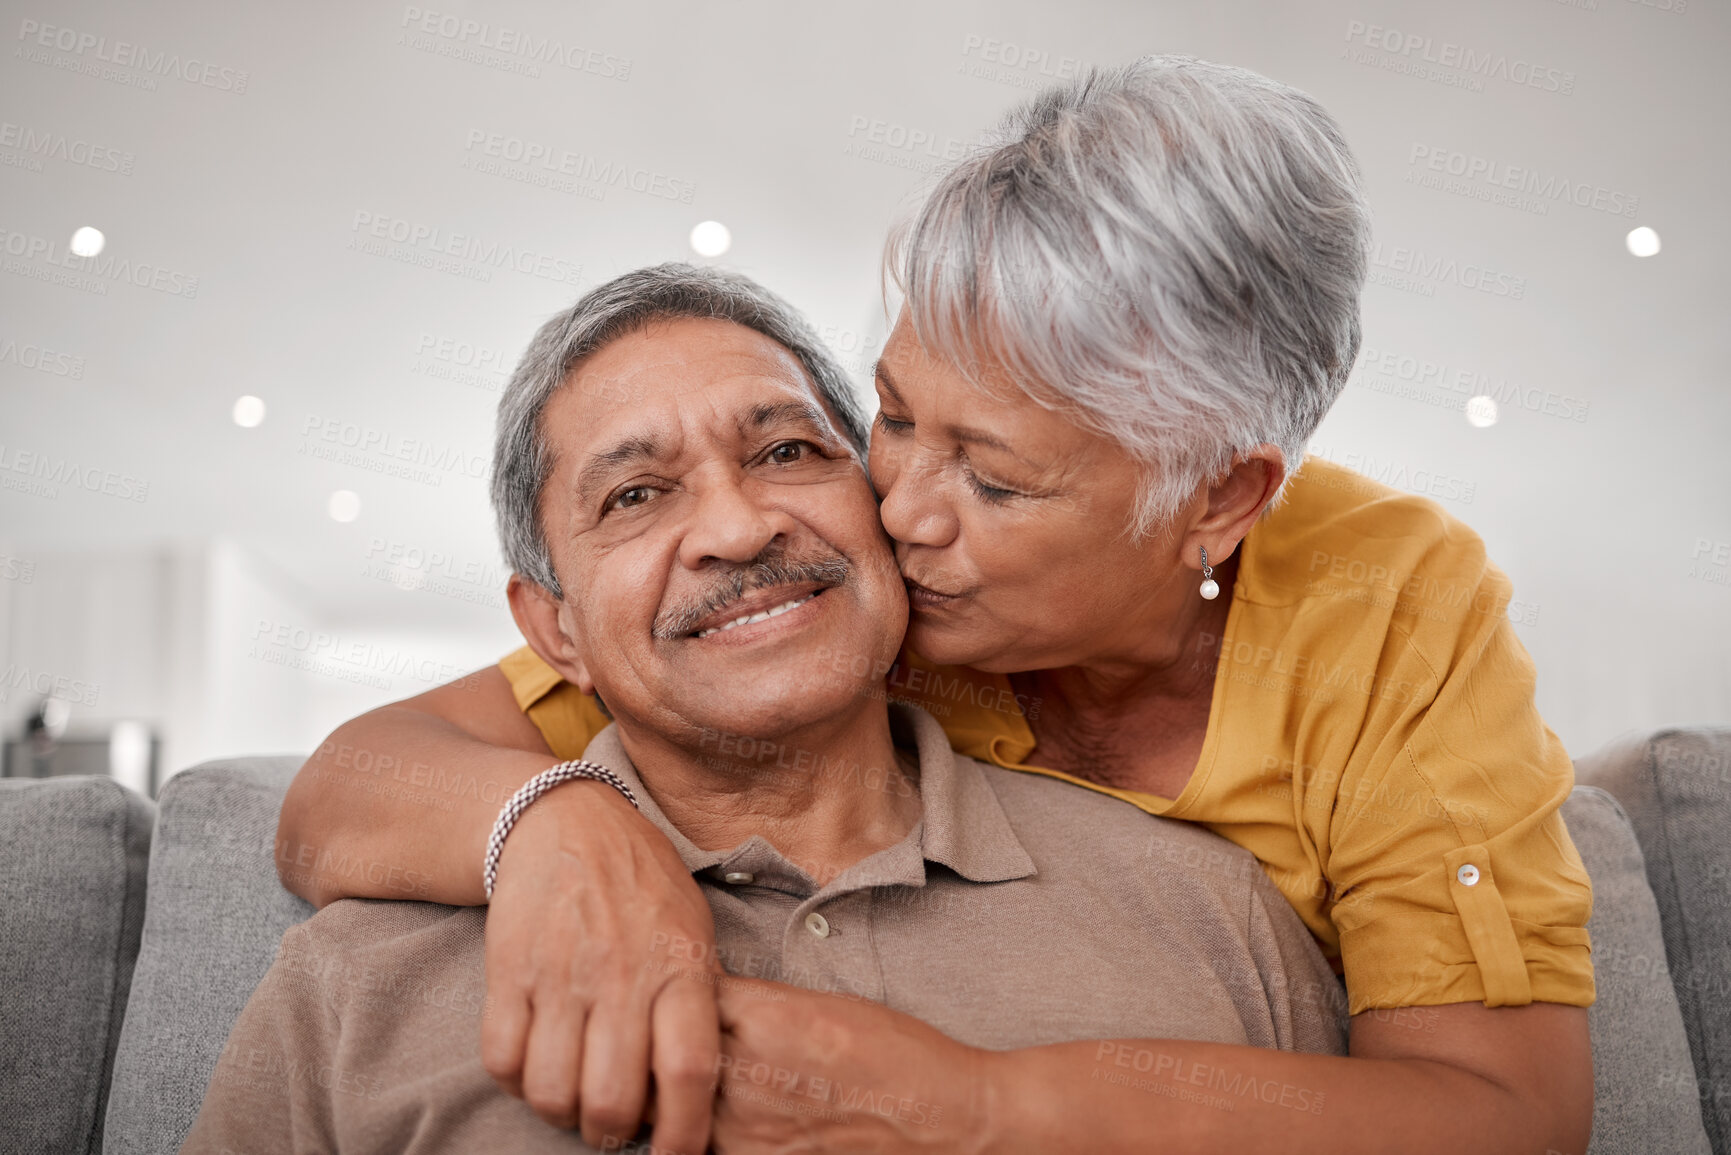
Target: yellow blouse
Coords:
[(1372, 740)]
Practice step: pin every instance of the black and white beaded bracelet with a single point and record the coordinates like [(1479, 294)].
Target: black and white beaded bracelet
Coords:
[(533, 789)]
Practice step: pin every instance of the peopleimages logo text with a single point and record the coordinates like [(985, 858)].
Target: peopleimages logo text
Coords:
[(125, 54), (516, 42), (367, 656), (109, 266), (43, 684), (41, 143), (1386, 369), (387, 445), (580, 166), (45, 468), (466, 246), (1437, 269), (43, 360), (1487, 65), (1519, 178)]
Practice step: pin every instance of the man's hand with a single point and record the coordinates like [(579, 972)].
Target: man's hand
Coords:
[(600, 971), (802, 1071)]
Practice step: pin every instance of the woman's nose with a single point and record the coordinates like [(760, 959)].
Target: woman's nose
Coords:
[(915, 505)]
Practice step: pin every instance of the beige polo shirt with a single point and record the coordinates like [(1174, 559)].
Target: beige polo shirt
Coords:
[(1019, 911)]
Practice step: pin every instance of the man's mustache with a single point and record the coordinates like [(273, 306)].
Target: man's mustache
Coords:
[(772, 567)]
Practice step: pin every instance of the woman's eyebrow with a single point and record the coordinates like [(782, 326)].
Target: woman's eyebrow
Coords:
[(966, 434), (971, 436)]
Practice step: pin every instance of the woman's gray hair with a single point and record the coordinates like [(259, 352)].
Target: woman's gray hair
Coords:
[(522, 459), (1170, 252)]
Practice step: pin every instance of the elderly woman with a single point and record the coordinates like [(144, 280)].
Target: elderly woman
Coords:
[(1122, 322)]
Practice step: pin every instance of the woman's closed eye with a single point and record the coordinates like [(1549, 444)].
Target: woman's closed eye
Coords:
[(891, 425), (988, 493)]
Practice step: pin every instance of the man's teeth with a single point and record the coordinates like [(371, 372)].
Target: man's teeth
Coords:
[(757, 617)]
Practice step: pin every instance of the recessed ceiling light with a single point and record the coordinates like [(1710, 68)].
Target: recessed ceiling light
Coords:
[(1643, 242), (344, 505), (87, 242), (1482, 412), (710, 239), (248, 412)]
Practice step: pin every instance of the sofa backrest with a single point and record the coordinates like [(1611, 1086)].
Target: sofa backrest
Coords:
[(213, 917), (73, 855), (1635, 1024), (216, 912), (1676, 787)]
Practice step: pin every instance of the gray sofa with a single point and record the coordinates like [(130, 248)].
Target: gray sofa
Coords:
[(120, 974)]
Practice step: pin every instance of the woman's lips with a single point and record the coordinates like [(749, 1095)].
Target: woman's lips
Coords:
[(925, 598)]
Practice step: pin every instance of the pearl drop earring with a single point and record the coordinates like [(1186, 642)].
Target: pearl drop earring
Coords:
[(1210, 587)]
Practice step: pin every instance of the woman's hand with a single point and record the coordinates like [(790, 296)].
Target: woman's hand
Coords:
[(804, 1072), (600, 972)]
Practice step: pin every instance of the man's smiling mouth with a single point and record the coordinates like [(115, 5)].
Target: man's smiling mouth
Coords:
[(770, 586), (761, 616)]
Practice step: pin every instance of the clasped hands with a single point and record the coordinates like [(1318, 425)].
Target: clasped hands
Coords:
[(606, 1009)]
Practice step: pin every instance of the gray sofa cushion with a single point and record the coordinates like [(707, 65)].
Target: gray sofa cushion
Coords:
[(73, 854), (1676, 787), (212, 922), (216, 913), (1636, 1026)]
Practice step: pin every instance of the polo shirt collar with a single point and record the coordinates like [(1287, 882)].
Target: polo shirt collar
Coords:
[(962, 825)]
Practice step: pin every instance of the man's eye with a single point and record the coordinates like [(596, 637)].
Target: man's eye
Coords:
[(788, 452), (636, 495)]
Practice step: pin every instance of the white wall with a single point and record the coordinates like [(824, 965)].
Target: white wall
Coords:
[(240, 205), (211, 646)]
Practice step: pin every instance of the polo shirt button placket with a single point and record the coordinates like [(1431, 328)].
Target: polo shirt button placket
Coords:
[(817, 924)]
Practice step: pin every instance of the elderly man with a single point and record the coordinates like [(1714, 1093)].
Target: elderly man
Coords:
[(719, 578)]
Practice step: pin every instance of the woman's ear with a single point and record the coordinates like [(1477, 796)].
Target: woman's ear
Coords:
[(544, 623), (1234, 502)]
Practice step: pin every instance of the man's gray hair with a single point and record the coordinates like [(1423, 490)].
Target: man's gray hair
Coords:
[(522, 458), (1169, 252)]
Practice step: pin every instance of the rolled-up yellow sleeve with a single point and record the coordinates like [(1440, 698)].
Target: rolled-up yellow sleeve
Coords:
[(566, 716), (1458, 879)]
